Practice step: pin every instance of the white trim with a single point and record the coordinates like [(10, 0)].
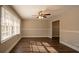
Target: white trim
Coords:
[(69, 31), (71, 46), (12, 46), (50, 37), (35, 36)]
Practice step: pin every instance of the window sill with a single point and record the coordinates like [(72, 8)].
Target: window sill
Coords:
[(3, 41)]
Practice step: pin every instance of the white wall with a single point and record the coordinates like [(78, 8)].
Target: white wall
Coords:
[(35, 28)]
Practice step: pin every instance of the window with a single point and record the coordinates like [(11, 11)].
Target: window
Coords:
[(10, 24)]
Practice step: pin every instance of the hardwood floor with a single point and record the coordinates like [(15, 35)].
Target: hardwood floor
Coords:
[(41, 45)]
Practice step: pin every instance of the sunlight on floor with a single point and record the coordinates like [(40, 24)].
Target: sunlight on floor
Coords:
[(51, 49)]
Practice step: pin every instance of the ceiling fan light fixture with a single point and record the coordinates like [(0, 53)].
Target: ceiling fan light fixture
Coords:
[(40, 17)]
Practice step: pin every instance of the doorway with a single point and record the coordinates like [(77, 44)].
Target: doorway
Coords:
[(55, 30)]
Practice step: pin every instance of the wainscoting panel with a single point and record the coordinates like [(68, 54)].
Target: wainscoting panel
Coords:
[(70, 38)]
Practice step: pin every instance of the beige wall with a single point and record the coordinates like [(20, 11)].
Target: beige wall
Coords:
[(35, 28), (69, 27)]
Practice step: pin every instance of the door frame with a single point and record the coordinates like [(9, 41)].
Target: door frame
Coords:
[(58, 30)]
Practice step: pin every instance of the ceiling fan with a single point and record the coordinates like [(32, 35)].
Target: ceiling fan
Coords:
[(42, 15)]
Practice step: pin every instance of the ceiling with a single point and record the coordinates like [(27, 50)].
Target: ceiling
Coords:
[(27, 11)]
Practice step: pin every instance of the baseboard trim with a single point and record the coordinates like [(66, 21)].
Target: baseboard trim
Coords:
[(12, 46), (35, 37), (73, 47)]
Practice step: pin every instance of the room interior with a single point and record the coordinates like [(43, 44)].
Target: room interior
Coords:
[(39, 29)]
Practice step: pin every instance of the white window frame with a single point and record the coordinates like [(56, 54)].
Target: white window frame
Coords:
[(9, 22)]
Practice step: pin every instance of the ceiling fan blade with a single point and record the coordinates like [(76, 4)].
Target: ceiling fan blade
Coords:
[(47, 14), (44, 16)]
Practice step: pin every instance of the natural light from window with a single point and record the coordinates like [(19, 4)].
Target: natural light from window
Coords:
[(10, 24)]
